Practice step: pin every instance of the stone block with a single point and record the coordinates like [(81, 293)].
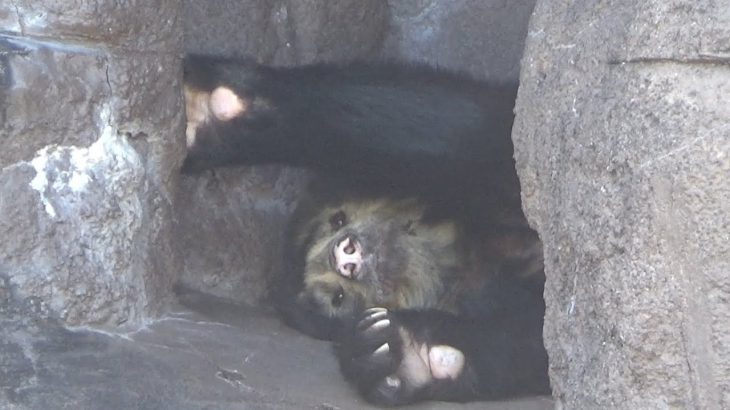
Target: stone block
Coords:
[(622, 147), (287, 31), (93, 128), (481, 37)]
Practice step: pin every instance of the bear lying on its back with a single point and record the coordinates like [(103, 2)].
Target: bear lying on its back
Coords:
[(411, 251)]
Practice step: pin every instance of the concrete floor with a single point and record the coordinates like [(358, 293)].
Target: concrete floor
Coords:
[(205, 355)]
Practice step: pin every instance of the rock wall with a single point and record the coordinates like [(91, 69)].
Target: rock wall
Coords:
[(623, 149), (482, 37), (286, 31), (91, 128)]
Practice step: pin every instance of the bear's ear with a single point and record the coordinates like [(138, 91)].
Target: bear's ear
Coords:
[(225, 105)]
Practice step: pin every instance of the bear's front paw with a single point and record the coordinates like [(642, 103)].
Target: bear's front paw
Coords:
[(389, 366), (370, 354), (370, 349)]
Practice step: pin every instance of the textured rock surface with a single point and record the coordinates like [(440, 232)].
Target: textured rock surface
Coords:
[(92, 135), (230, 229), (482, 37), (623, 149), (286, 31), (230, 221)]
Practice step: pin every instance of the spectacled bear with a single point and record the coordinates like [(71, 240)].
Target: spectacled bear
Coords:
[(410, 251)]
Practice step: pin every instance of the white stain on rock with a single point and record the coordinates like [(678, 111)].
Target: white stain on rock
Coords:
[(40, 182), (63, 173)]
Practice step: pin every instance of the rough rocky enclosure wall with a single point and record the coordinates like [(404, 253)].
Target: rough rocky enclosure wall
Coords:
[(622, 144), (90, 126), (623, 149)]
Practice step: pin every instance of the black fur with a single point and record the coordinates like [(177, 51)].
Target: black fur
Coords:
[(388, 128), (396, 130)]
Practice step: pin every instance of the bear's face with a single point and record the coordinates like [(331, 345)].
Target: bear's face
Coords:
[(376, 253)]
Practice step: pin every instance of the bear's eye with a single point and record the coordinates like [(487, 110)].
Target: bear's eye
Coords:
[(338, 220), (338, 296)]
